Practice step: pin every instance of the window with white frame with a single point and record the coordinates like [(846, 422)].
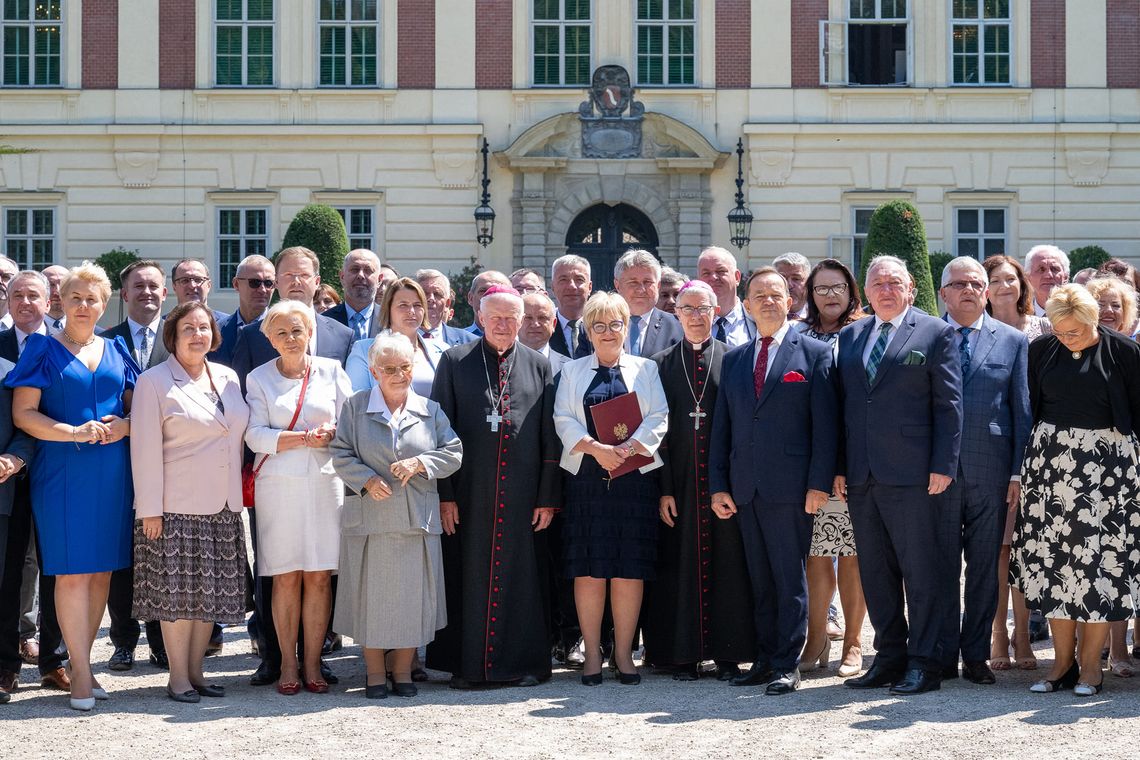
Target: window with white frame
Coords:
[(871, 48), (979, 232), (860, 225), (29, 237), (243, 43), (349, 42), (358, 222), (979, 40), (561, 41), (241, 232), (666, 35), (32, 39)]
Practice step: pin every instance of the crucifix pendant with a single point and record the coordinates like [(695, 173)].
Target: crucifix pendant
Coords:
[(697, 415), (494, 418)]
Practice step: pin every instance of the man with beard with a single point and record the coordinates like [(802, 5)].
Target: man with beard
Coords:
[(701, 592), (360, 278), (499, 396)]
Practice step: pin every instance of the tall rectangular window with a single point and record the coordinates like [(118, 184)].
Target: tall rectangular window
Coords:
[(243, 43), (861, 225), (32, 39), (29, 237), (349, 42), (561, 42), (358, 223), (980, 41), (241, 232), (666, 34), (871, 47), (979, 232)]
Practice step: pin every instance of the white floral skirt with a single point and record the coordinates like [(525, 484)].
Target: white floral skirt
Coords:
[(1074, 551)]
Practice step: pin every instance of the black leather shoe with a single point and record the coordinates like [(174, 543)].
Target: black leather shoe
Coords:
[(594, 679), (210, 690), (949, 672), (327, 674), (460, 683), (757, 675), (525, 682), (875, 678), (376, 691), (629, 679), (685, 672), (784, 683), (917, 681), (122, 659), (978, 672), (403, 689), (188, 697), (265, 675), (726, 671), (158, 659)]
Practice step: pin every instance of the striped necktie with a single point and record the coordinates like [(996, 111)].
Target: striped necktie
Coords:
[(878, 351)]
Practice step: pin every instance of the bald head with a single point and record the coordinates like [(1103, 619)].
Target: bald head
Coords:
[(360, 278)]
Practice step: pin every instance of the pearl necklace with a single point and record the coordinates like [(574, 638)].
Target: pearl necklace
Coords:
[(74, 342)]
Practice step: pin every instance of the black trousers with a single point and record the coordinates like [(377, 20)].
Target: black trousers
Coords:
[(971, 524), (21, 533), (776, 542), (900, 563), (125, 628)]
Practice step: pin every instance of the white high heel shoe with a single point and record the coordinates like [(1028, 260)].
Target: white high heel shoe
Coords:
[(83, 705)]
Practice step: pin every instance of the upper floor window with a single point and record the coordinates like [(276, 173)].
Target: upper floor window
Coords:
[(241, 232), (243, 54), (31, 40), (561, 37), (979, 232), (980, 41), (29, 236), (349, 40), (666, 33), (872, 47)]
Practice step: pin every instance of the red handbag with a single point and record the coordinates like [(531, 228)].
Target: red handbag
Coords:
[(248, 471)]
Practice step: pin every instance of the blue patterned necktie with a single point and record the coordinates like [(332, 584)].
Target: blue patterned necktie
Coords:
[(358, 325), (634, 333), (965, 353), (721, 333), (878, 351)]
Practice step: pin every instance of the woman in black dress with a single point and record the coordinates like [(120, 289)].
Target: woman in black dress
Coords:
[(1075, 541), (610, 537)]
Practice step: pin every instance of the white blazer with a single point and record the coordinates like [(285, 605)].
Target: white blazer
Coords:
[(640, 376)]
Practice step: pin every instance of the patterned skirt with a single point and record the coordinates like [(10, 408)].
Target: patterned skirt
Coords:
[(831, 532), (1074, 551), (194, 571)]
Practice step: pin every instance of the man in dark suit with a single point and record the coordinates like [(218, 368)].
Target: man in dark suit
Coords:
[(571, 285), (538, 324), (359, 278), (772, 460), (28, 299), (901, 388), (479, 287), (191, 280), (636, 277), (143, 292), (254, 280), (437, 289), (995, 429)]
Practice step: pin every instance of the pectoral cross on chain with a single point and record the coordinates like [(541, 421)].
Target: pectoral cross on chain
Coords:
[(494, 418), (697, 416)]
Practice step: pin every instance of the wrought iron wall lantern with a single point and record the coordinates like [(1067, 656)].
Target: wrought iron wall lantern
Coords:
[(740, 218), (484, 214)]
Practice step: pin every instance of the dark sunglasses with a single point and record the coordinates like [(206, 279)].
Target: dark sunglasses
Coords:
[(255, 282)]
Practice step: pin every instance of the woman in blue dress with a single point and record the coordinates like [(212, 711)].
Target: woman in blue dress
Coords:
[(72, 394)]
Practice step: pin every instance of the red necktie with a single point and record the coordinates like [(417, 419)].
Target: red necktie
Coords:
[(761, 366)]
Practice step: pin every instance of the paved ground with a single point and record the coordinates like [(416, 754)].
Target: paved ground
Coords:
[(563, 719)]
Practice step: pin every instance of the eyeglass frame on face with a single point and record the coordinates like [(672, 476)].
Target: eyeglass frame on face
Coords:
[(1070, 334), (192, 279), (253, 283), (837, 289), (704, 310), (607, 327), (960, 285), (392, 370)]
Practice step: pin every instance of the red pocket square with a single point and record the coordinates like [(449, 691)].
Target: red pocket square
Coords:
[(794, 377)]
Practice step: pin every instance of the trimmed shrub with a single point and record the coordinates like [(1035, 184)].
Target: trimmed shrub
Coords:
[(896, 230), (320, 229), (115, 261), (1086, 257), (938, 262)]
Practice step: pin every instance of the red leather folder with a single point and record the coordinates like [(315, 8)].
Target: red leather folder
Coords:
[(616, 420)]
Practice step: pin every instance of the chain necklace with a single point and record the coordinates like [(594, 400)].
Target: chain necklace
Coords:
[(73, 341), (496, 416), (696, 414)]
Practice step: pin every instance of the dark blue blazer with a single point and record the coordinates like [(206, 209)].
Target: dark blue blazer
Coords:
[(228, 327), (909, 423), (253, 349), (996, 420), (456, 336), (787, 441), (12, 439), (158, 353), (340, 314), (558, 342), (662, 330)]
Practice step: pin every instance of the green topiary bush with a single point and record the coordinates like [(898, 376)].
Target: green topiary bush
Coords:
[(320, 229), (896, 230), (938, 262), (114, 262), (460, 285), (1086, 257)]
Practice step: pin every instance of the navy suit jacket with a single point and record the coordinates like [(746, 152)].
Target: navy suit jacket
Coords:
[(908, 424), (662, 330), (228, 327), (558, 342), (340, 314), (158, 354), (12, 439), (996, 420), (778, 446), (253, 349)]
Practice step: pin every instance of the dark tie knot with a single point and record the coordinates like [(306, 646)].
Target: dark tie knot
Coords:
[(766, 341), (965, 331)]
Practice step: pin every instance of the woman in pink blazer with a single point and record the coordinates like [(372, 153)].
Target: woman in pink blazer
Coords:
[(187, 427)]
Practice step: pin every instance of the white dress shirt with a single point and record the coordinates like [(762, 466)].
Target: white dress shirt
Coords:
[(152, 336), (22, 336), (777, 341), (873, 338)]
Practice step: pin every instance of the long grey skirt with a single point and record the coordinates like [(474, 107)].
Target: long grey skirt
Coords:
[(390, 590)]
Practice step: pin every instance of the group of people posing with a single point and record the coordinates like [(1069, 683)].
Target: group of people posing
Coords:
[(669, 464)]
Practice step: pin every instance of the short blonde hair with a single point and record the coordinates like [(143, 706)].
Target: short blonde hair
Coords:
[(605, 307), (1098, 286), (1072, 302), (390, 343), (286, 309), (90, 273)]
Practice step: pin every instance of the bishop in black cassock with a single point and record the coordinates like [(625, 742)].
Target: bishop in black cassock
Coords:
[(700, 606), (499, 397)]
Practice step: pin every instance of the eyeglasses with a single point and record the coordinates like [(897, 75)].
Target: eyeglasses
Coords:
[(600, 328), (302, 276), (396, 369), (257, 282), (526, 291), (960, 285), (191, 280), (830, 290), (1070, 335), (688, 311)]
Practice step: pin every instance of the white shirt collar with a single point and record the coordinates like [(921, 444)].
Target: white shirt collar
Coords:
[(21, 335), (135, 326), (896, 323), (777, 337), (975, 327), (735, 315)]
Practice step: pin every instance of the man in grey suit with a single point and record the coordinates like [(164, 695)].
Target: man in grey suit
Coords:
[(636, 277), (360, 279), (538, 324), (995, 428), (437, 290)]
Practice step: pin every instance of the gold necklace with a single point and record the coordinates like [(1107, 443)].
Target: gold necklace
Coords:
[(73, 341)]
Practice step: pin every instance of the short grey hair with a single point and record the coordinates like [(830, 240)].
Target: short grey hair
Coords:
[(963, 262), (1051, 250), (698, 286), (30, 274), (390, 343), (570, 260), (251, 260), (888, 259), (514, 297), (672, 276), (791, 258), (432, 274), (637, 257), (286, 309)]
